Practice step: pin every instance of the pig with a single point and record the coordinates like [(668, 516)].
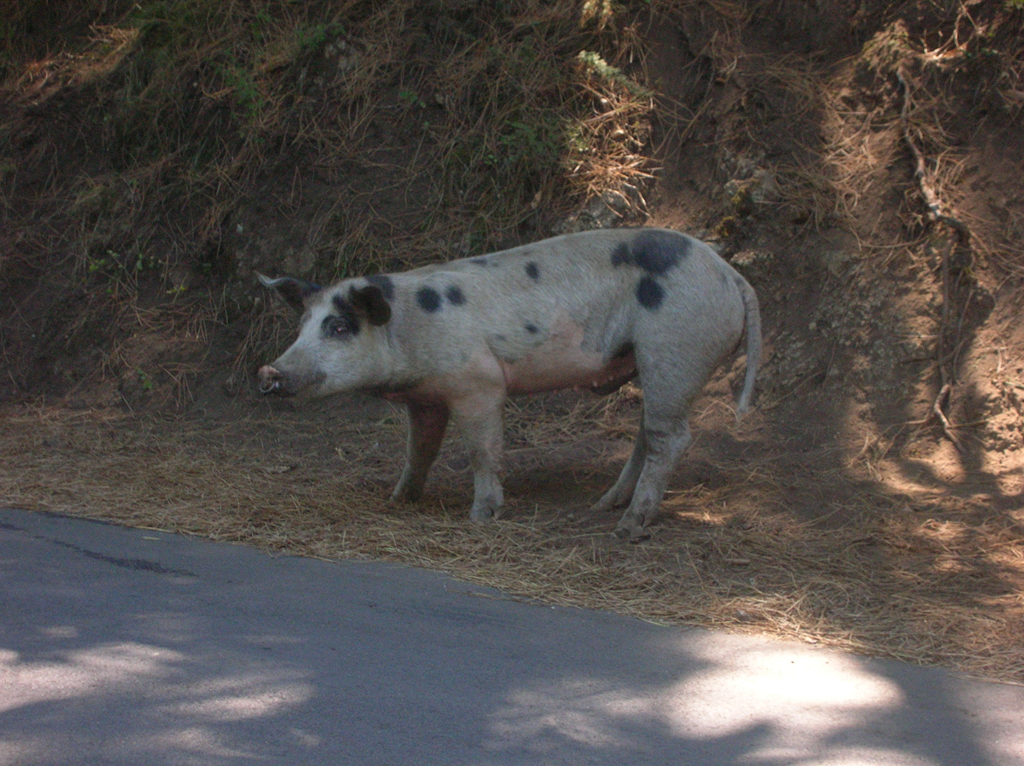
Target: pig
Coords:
[(590, 310)]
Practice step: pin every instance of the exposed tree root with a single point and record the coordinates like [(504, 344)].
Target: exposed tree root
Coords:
[(948, 335), (931, 199), (941, 417)]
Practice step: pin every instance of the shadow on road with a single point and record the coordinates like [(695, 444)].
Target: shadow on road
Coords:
[(128, 646)]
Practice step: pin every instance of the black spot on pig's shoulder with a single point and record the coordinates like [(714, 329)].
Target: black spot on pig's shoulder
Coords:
[(658, 251), (533, 271), (455, 295), (531, 328), (385, 283), (649, 293), (429, 299)]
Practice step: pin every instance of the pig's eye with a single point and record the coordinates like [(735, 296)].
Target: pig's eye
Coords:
[(336, 327)]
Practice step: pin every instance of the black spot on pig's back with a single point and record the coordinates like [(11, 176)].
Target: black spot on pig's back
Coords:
[(649, 293), (656, 252), (621, 255), (428, 299), (455, 295)]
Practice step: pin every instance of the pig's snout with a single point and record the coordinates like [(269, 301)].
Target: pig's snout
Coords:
[(271, 380)]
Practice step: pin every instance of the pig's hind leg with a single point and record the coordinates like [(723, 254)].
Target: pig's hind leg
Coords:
[(665, 442), (622, 492), (669, 389)]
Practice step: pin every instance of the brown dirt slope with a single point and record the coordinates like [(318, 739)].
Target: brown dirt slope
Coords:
[(862, 164)]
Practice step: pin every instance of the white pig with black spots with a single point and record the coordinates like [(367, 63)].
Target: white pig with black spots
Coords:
[(591, 310)]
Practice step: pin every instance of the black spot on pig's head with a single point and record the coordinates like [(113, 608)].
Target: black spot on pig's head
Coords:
[(343, 322), (370, 303), (385, 283)]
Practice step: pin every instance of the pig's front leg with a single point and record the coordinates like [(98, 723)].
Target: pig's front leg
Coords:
[(479, 419), (427, 423)]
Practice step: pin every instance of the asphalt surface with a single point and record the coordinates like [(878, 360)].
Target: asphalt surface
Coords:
[(128, 646)]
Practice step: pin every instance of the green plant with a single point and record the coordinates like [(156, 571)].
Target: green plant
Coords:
[(120, 270), (241, 81), (144, 380), (313, 37), (412, 99), (595, 63), (535, 144)]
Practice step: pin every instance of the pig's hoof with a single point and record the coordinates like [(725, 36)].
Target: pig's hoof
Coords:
[(632, 533), (483, 515), (609, 501), (405, 496)]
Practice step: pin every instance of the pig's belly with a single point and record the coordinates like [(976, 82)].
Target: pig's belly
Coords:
[(562, 363)]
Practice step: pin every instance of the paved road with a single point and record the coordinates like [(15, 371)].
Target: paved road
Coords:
[(126, 646)]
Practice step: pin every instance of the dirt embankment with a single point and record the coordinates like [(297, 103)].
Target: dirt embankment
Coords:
[(862, 165)]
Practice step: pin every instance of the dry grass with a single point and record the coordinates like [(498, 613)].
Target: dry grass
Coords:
[(928, 580)]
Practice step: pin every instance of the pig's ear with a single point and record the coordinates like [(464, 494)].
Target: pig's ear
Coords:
[(369, 302), (293, 291)]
